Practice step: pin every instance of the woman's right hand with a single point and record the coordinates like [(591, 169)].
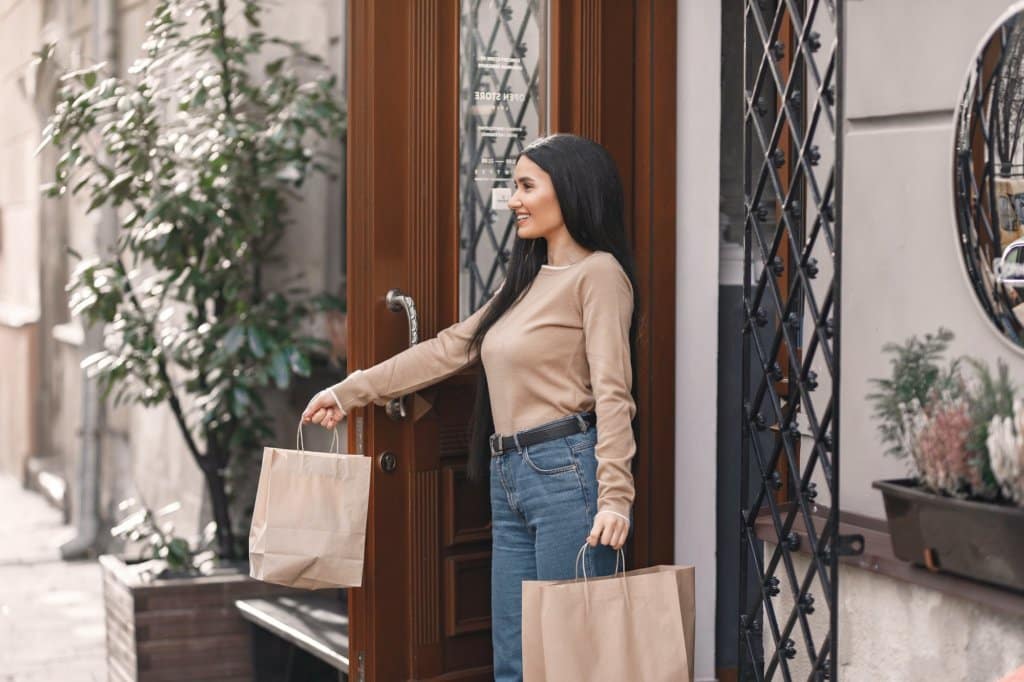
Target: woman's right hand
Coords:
[(323, 410)]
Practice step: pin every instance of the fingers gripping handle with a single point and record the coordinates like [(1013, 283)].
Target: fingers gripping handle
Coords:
[(335, 436)]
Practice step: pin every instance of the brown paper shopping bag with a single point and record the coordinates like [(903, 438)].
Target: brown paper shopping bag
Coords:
[(636, 625), (309, 523)]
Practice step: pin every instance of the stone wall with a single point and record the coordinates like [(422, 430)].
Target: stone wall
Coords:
[(18, 332), (19, 135), (143, 453), (893, 631), (19, 236)]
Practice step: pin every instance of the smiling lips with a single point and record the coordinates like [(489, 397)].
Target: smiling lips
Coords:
[(520, 217)]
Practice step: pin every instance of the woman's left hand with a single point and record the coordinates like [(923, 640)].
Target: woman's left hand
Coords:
[(609, 529)]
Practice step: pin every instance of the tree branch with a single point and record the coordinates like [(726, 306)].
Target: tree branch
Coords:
[(172, 397)]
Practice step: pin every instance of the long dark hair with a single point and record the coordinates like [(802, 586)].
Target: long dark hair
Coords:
[(590, 195)]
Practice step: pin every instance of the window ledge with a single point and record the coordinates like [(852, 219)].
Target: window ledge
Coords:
[(17, 316), (879, 558)]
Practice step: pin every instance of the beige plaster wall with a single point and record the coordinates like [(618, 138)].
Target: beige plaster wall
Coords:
[(19, 203), (20, 22), (17, 341), (902, 273)]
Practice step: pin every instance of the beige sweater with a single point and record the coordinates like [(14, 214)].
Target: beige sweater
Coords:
[(562, 348)]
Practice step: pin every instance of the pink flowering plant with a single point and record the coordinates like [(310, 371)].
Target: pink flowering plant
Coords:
[(961, 432), (943, 460)]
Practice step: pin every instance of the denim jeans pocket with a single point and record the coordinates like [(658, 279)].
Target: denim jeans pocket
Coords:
[(549, 458), (578, 442)]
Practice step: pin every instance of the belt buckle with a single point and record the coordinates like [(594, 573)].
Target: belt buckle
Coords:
[(490, 442)]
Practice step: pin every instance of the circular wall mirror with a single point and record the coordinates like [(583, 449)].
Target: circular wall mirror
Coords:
[(988, 176)]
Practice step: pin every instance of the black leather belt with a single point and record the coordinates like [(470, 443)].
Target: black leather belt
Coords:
[(577, 423)]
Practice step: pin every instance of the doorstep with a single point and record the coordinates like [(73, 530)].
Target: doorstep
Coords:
[(315, 623)]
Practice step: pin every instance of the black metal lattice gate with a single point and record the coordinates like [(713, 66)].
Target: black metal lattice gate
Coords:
[(789, 495)]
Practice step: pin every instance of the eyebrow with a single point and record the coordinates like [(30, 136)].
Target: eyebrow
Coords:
[(525, 177)]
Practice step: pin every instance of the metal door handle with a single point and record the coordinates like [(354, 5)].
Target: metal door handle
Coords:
[(397, 302)]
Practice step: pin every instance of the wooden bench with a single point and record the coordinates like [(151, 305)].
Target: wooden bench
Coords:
[(300, 637)]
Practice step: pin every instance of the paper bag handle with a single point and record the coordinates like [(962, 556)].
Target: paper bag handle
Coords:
[(335, 440), (586, 592)]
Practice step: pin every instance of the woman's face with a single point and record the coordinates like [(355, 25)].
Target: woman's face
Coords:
[(534, 202)]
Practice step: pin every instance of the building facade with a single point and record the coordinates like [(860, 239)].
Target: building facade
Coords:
[(904, 69)]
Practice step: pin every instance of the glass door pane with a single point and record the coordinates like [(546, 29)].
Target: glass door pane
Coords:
[(502, 106)]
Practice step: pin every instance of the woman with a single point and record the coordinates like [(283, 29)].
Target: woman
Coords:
[(557, 343)]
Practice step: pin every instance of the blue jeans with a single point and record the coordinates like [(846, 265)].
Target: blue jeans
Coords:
[(543, 502)]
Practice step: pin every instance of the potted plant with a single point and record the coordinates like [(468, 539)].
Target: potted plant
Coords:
[(170, 604), (962, 434), (170, 556), (198, 155)]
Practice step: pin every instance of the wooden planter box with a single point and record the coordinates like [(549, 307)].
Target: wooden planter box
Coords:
[(973, 539), (178, 629)]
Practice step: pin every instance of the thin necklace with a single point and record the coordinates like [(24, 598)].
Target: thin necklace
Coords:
[(567, 264)]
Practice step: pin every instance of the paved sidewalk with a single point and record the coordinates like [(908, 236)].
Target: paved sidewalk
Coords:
[(51, 611)]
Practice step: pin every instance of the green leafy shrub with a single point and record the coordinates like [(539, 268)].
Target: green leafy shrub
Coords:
[(917, 375), (172, 555), (198, 155)]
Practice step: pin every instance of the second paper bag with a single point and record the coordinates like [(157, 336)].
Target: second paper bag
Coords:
[(637, 626)]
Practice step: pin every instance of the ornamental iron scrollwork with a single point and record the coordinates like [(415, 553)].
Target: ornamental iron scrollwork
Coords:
[(789, 523)]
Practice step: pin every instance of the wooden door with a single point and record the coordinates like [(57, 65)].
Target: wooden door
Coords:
[(424, 610)]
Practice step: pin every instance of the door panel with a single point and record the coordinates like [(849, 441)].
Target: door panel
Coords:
[(402, 180)]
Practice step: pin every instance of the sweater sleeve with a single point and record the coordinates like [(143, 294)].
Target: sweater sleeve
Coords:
[(416, 367), (607, 301)]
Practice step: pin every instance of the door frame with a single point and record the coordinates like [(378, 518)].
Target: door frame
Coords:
[(594, 62), (607, 83)]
